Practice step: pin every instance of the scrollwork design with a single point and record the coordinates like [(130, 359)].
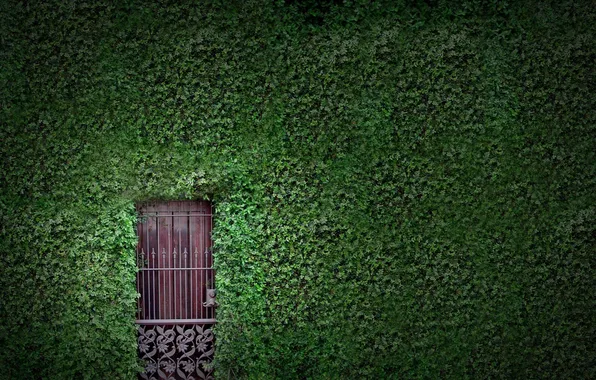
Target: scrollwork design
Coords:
[(176, 352)]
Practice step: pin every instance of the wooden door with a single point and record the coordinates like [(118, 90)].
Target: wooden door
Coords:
[(176, 283)]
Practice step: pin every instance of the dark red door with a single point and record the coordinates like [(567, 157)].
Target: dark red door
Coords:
[(176, 283)]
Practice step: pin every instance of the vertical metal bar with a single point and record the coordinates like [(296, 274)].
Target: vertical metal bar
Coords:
[(186, 283), (170, 290), (211, 254), (144, 285), (174, 298), (206, 285), (180, 273), (146, 276), (174, 253), (153, 283), (138, 274), (158, 272), (207, 274), (164, 276), (203, 265), (141, 276), (210, 260), (189, 221), (197, 272)]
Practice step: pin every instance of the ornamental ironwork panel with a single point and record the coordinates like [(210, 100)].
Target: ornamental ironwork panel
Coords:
[(176, 351), (176, 286)]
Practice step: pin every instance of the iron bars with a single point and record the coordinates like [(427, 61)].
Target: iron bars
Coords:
[(175, 277)]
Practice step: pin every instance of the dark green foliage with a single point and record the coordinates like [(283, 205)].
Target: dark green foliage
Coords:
[(403, 189)]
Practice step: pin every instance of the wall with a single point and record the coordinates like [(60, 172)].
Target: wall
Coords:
[(402, 190)]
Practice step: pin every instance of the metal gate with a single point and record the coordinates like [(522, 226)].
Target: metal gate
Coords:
[(176, 283)]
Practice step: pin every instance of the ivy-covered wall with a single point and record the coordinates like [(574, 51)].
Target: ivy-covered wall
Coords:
[(404, 189)]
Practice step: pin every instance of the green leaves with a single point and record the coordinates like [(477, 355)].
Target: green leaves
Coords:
[(401, 190)]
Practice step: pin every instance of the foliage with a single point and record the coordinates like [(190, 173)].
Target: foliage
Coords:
[(403, 189)]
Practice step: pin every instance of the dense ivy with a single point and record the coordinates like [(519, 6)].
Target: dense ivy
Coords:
[(403, 189)]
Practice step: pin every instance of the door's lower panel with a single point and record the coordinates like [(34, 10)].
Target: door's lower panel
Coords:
[(176, 351)]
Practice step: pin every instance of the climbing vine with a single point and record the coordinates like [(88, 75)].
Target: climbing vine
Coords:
[(403, 189)]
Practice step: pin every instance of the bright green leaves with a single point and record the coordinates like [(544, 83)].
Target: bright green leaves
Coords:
[(401, 190)]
